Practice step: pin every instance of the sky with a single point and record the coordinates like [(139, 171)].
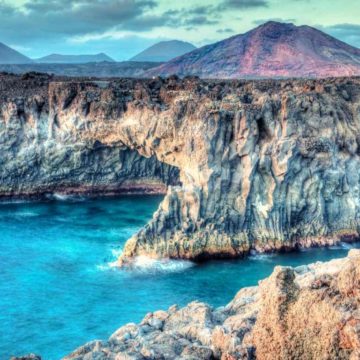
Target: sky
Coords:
[(122, 28)]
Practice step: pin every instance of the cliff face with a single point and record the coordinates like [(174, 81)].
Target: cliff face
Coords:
[(310, 312), (43, 154), (263, 165)]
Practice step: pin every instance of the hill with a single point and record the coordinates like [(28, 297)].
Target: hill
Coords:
[(74, 59), (270, 50), (164, 51), (11, 56)]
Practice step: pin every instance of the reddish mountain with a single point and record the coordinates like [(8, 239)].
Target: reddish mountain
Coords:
[(270, 50)]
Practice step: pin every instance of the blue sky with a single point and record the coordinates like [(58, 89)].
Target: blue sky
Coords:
[(122, 28)]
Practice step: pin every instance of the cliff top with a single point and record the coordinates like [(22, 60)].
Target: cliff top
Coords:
[(13, 86)]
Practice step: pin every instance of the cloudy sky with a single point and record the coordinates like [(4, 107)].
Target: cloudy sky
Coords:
[(122, 28)]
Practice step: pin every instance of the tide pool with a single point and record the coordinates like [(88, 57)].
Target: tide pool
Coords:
[(58, 289)]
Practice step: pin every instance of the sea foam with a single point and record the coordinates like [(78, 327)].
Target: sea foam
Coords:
[(342, 246), (145, 265), (257, 256), (66, 197)]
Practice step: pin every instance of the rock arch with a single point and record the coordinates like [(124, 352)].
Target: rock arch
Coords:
[(264, 165)]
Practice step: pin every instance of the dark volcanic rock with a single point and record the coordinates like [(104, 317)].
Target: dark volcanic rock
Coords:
[(27, 357)]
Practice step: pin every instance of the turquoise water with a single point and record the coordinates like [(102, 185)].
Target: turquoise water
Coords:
[(58, 291)]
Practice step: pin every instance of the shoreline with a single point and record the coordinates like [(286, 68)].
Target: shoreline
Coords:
[(260, 321), (88, 192), (301, 245)]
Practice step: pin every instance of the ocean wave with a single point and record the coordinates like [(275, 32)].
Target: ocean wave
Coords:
[(14, 201), (304, 249), (66, 197), (254, 255), (342, 246), (121, 232), (112, 265), (25, 214), (116, 252), (145, 265)]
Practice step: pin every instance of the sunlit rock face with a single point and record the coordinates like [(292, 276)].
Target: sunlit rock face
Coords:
[(265, 165), (308, 312)]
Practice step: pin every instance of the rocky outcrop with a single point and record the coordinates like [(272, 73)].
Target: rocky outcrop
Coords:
[(264, 165), (308, 312), (27, 357)]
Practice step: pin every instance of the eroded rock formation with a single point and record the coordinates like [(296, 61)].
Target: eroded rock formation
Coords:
[(308, 312), (263, 165), (43, 154)]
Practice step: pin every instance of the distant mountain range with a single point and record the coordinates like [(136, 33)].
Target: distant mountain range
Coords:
[(270, 50), (129, 69), (74, 59), (11, 56), (164, 51)]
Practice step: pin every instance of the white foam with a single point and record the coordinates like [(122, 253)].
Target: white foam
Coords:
[(342, 246), (116, 253), (66, 197), (347, 246), (108, 266), (26, 214), (14, 201), (254, 255), (146, 265)]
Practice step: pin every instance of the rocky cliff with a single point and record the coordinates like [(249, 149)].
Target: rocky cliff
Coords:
[(264, 165), (43, 154), (308, 312)]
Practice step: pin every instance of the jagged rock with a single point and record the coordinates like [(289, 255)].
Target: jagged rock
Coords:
[(27, 357), (264, 165), (285, 317)]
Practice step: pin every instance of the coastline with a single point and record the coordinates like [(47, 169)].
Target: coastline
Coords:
[(138, 188), (272, 320)]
